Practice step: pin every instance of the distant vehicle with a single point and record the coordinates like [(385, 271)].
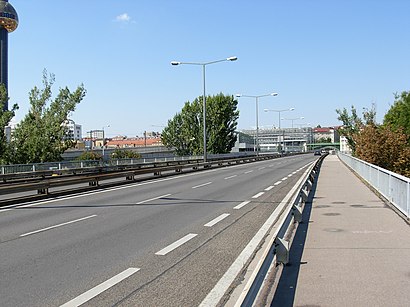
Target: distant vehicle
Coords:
[(317, 153)]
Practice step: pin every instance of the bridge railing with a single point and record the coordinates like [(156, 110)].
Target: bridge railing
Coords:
[(394, 187)]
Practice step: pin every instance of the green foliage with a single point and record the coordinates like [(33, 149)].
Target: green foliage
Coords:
[(42, 135), (125, 154), (398, 115), (5, 118), (352, 123), (89, 155), (184, 131), (384, 145)]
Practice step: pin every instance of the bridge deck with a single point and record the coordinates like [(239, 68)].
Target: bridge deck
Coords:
[(354, 251)]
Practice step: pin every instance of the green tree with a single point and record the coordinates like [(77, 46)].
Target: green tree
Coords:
[(353, 123), (184, 131), (398, 115), (5, 118), (42, 135), (125, 154), (89, 155)]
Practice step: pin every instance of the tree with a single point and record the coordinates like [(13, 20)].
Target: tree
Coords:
[(398, 115), (184, 131), (5, 118), (42, 135), (89, 155), (352, 123), (125, 154)]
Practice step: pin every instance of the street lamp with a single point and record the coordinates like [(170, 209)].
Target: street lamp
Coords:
[(257, 122), (103, 140), (293, 119), (279, 111), (175, 63)]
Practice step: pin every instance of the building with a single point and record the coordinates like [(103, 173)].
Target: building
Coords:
[(75, 131), (281, 140), (124, 142), (344, 145), (326, 135)]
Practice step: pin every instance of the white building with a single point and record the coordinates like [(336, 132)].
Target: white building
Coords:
[(75, 130), (344, 145)]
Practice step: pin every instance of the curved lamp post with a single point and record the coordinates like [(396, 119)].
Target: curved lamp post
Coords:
[(175, 63), (257, 121)]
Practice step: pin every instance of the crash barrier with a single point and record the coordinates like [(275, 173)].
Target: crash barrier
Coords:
[(276, 246), (393, 187), (94, 176)]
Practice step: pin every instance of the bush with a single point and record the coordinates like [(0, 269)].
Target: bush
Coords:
[(125, 154), (89, 155)]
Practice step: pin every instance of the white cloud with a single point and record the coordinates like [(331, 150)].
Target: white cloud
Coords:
[(123, 18)]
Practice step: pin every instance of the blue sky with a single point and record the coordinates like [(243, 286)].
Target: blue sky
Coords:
[(318, 56)]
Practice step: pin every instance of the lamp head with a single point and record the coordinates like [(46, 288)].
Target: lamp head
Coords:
[(175, 63), (292, 109), (274, 94), (238, 95), (232, 58)]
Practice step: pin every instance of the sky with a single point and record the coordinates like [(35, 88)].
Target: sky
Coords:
[(317, 55)]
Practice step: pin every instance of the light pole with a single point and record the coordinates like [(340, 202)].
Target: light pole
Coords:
[(257, 111), (232, 58), (103, 141), (279, 111), (292, 120)]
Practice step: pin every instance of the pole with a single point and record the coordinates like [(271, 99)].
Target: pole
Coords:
[(204, 112), (103, 137), (257, 128)]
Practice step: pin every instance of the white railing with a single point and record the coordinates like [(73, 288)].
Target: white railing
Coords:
[(394, 187)]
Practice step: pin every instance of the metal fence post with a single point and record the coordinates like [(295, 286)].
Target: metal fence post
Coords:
[(408, 199)]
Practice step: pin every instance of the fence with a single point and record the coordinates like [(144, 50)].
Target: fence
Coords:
[(394, 187)]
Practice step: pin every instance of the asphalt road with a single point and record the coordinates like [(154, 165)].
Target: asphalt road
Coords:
[(164, 242)]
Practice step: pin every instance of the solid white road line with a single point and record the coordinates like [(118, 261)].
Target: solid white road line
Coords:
[(242, 204), (216, 220), (176, 244), (215, 295), (85, 297), (59, 225), (233, 176), (269, 188), (201, 185), (151, 199), (258, 195)]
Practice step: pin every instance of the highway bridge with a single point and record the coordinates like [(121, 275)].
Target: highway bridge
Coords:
[(182, 240)]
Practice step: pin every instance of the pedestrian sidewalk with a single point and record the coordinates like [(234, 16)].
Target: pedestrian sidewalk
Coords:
[(350, 250)]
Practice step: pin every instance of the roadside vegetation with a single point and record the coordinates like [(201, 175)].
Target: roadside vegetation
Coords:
[(185, 133), (386, 145), (42, 135)]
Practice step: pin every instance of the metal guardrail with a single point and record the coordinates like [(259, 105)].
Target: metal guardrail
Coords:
[(44, 183), (277, 244), (248, 279), (394, 187)]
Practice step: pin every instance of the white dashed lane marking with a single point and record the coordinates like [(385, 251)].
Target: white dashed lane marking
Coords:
[(242, 204), (176, 244), (217, 220)]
